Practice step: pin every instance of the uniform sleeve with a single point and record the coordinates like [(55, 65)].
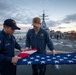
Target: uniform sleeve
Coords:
[(49, 42), (28, 39), (2, 56), (17, 46), (1, 46)]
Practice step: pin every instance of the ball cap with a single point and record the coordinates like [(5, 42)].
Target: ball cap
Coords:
[(11, 23)]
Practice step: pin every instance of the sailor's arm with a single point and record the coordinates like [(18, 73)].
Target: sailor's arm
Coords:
[(50, 44)]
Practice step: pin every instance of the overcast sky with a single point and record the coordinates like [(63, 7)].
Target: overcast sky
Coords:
[(61, 13)]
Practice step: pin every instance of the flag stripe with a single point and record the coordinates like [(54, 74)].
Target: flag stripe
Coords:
[(27, 53)]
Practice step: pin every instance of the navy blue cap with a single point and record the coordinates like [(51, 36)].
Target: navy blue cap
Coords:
[(11, 23)]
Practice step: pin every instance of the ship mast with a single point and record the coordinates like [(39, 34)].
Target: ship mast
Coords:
[(43, 24), (43, 16), (43, 21)]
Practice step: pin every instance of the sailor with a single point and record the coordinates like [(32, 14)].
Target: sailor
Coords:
[(8, 43), (38, 38)]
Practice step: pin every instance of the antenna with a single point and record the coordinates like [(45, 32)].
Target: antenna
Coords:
[(43, 15)]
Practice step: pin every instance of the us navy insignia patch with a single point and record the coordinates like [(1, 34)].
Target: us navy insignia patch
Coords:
[(42, 35)]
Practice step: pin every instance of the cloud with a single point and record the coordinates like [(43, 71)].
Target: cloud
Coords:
[(12, 9), (6, 9), (69, 18), (52, 23), (61, 27), (1, 23)]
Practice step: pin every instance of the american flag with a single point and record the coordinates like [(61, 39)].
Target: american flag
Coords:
[(67, 58), (27, 53)]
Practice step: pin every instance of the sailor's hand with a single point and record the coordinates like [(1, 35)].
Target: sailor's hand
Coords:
[(15, 59), (27, 48), (22, 50), (54, 52)]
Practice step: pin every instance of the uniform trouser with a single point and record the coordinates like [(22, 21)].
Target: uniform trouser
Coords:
[(9, 69), (39, 69)]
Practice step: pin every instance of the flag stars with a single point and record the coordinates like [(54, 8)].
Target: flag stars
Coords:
[(32, 58), (24, 59), (65, 57), (58, 56), (56, 61), (68, 55), (42, 62), (29, 62), (48, 56), (54, 58), (45, 59), (36, 59), (75, 56), (37, 56), (61, 59), (42, 58), (73, 59), (70, 61), (48, 59)]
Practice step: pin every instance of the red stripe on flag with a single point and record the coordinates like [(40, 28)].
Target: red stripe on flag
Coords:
[(23, 55), (27, 53)]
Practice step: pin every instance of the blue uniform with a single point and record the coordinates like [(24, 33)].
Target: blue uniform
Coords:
[(39, 41), (7, 45)]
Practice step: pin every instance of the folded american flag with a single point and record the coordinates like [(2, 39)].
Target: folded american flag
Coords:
[(67, 58), (27, 53)]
